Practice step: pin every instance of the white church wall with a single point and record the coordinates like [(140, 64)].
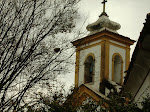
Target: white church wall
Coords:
[(143, 92), (122, 52), (118, 43), (91, 43), (83, 53)]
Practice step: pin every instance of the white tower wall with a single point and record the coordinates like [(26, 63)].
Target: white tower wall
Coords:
[(96, 50), (122, 52)]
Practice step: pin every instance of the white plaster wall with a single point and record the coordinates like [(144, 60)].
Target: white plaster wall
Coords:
[(118, 43), (122, 52), (91, 43), (96, 50), (144, 91)]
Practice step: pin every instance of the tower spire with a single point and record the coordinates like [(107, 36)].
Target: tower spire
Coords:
[(104, 13), (103, 23)]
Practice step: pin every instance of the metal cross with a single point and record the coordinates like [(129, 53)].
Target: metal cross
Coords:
[(104, 5)]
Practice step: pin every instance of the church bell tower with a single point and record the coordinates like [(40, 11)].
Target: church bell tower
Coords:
[(103, 55)]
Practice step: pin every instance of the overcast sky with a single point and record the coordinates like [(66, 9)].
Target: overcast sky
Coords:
[(130, 14)]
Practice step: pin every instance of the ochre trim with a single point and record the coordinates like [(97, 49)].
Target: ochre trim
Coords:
[(113, 59), (77, 67), (99, 43), (105, 46), (90, 54), (82, 93), (127, 57), (120, 46), (102, 67), (86, 47), (104, 34)]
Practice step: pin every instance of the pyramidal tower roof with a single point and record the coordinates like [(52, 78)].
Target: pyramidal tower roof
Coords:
[(103, 23)]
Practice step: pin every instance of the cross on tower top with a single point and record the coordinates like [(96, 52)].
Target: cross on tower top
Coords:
[(104, 13), (104, 2)]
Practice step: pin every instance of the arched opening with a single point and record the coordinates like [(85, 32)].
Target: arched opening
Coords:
[(88, 69), (117, 69)]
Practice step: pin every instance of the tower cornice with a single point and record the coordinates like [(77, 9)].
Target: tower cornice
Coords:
[(104, 34)]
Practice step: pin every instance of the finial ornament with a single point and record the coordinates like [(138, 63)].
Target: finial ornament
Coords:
[(104, 3)]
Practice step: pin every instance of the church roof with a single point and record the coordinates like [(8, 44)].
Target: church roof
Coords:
[(95, 91), (105, 32), (139, 67), (85, 91)]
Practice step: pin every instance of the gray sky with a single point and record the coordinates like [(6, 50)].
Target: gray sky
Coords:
[(130, 14)]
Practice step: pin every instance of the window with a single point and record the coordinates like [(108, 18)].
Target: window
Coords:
[(117, 69), (88, 69)]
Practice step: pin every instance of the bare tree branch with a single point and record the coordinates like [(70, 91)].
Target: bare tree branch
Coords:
[(29, 32)]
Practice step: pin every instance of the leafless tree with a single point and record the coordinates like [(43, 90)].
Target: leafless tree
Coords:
[(29, 46)]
